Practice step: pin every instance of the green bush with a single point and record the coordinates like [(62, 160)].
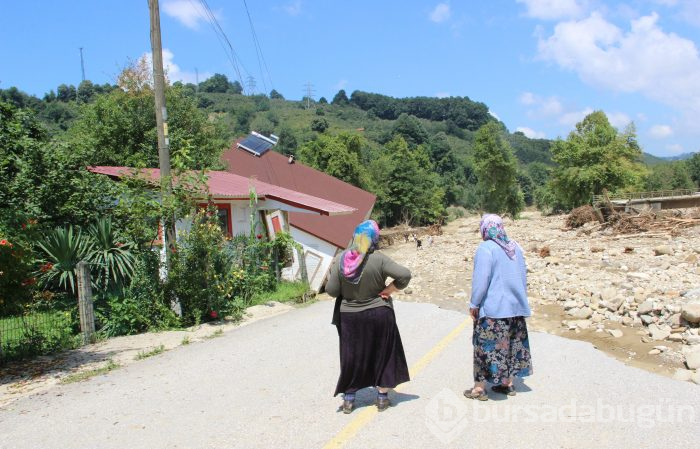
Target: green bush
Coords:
[(141, 306)]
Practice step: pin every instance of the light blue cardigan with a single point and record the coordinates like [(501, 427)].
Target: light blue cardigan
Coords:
[(499, 283)]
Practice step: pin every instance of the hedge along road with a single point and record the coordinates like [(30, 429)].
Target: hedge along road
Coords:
[(269, 385)]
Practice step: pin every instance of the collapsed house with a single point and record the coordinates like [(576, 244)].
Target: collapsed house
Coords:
[(322, 237)]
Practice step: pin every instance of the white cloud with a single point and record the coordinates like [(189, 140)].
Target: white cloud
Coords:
[(493, 114), (541, 106), (342, 84), (675, 148), (173, 72), (185, 11), (442, 94), (528, 98), (440, 13), (293, 8), (552, 9), (662, 66), (531, 133), (618, 119), (688, 10), (572, 118), (660, 131)]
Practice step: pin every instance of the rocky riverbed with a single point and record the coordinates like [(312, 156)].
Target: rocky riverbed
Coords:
[(635, 297)]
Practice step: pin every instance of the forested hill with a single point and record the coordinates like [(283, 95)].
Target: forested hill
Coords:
[(418, 155)]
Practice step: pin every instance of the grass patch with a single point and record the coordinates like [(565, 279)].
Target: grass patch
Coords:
[(285, 292), (84, 375), (217, 333), (185, 340), (146, 354)]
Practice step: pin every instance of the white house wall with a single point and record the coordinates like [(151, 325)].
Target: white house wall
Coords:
[(314, 245)]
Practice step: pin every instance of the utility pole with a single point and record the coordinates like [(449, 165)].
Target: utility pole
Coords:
[(309, 89), (163, 141), (82, 63)]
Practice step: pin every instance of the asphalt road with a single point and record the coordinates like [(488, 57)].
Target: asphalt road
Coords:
[(269, 385)]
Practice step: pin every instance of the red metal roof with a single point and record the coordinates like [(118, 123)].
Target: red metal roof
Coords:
[(232, 186), (274, 168)]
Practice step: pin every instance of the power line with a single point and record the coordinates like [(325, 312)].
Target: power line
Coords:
[(223, 39), (258, 50)]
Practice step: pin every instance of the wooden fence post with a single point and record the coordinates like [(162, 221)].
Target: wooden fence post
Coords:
[(302, 265), (87, 314)]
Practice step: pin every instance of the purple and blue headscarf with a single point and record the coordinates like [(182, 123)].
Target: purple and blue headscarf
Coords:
[(491, 228), (364, 241)]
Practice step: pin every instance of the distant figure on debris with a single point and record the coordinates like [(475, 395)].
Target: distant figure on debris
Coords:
[(371, 352), (430, 240), (498, 307), (419, 243)]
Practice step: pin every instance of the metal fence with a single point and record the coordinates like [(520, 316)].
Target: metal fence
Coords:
[(36, 333)]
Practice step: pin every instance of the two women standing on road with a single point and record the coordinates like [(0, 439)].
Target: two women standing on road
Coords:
[(498, 307), (371, 352)]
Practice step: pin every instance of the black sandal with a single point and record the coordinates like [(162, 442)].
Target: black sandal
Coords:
[(508, 390)]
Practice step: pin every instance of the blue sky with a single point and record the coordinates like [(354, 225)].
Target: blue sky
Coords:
[(540, 65)]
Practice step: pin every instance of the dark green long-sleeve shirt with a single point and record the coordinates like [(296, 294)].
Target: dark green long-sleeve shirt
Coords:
[(365, 294)]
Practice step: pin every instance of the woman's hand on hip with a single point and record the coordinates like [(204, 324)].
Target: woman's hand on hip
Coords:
[(388, 290), (474, 312)]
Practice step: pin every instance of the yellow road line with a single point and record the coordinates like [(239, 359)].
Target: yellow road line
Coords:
[(366, 415)]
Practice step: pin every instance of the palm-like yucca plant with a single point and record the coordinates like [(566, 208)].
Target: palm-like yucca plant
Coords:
[(112, 260), (62, 249)]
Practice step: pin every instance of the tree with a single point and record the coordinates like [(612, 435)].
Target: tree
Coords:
[(322, 100), (336, 156), (319, 125), (217, 83), (66, 93), (411, 129), (86, 90), (120, 129), (43, 181), (497, 172), (341, 98), (693, 165), (274, 95), (594, 157), (410, 192), (669, 177), (235, 88)]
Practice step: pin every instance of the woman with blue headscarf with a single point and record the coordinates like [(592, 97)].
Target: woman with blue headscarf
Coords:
[(498, 307), (371, 352)]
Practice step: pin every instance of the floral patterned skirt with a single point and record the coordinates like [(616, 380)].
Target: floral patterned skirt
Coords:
[(501, 349)]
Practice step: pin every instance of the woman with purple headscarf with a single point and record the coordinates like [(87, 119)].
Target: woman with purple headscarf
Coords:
[(371, 352), (498, 307)]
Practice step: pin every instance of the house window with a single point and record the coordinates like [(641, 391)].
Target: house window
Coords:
[(224, 218), (223, 214)]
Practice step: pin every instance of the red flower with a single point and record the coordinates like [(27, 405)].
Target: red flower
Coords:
[(4, 242), (213, 314), (30, 281), (24, 226), (259, 236), (46, 267)]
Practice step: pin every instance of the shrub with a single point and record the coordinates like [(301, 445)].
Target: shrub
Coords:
[(142, 306)]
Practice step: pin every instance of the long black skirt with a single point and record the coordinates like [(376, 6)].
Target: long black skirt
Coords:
[(371, 353)]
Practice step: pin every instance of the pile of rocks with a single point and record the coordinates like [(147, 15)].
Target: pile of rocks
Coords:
[(646, 283)]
